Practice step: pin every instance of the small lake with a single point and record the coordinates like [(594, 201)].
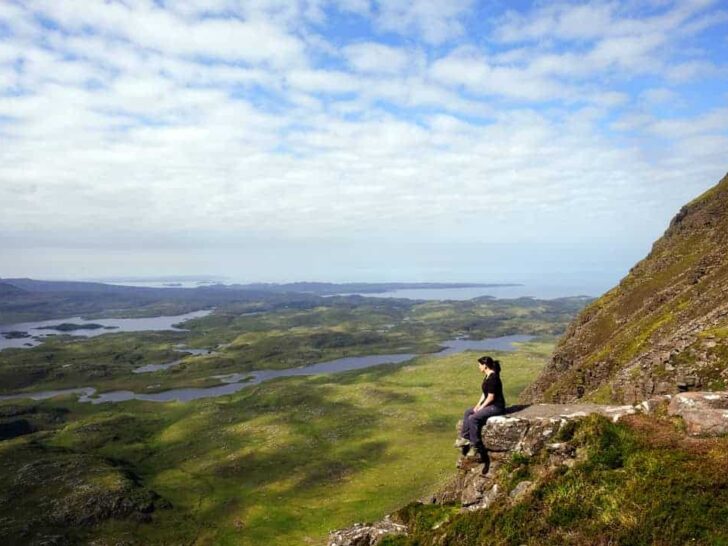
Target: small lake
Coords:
[(149, 368), (235, 382), (37, 331)]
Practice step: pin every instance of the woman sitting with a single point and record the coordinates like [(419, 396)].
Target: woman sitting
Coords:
[(491, 402)]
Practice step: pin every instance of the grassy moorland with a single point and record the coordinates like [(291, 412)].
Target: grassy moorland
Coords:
[(278, 463), (290, 335)]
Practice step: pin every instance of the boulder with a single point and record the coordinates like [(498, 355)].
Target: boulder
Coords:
[(527, 430), (704, 413), (521, 489), (365, 534)]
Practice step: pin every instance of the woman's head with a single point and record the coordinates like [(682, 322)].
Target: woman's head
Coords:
[(489, 363)]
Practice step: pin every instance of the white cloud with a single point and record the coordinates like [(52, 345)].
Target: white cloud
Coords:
[(325, 81), (565, 21), (377, 58), (150, 27), (159, 123), (659, 95), (474, 72), (431, 20)]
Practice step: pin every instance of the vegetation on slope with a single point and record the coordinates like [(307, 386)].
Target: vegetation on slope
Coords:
[(662, 328), (641, 481)]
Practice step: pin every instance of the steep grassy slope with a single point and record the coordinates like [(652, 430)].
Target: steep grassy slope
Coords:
[(664, 328)]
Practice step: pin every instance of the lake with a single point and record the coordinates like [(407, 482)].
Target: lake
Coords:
[(235, 382), (38, 330)]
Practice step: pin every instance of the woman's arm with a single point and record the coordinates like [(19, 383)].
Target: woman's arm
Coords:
[(488, 400), (484, 401)]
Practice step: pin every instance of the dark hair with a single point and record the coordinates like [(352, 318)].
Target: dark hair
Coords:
[(488, 362)]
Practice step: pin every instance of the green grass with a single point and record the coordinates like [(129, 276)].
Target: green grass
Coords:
[(279, 463), (278, 339), (639, 482)]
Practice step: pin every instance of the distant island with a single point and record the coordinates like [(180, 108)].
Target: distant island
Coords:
[(15, 334), (70, 327)]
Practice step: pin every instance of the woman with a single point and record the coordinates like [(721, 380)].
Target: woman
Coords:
[(491, 402)]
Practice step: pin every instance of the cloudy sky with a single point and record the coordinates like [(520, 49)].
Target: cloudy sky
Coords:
[(371, 140)]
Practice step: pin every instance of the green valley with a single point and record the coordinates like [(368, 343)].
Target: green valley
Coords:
[(278, 463)]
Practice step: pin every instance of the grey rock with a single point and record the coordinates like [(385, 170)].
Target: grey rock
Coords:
[(521, 489), (704, 413), (487, 499), (365, 534), (653, 404), (526, 431)]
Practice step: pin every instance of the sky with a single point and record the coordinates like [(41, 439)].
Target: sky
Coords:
[(354, 140)]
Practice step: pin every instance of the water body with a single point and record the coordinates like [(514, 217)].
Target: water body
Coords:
[(160, 283), (542, 292), (149, 368), (39, 330), (235, 382)]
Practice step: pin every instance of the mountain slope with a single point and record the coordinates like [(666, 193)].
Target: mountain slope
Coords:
[(664, 328)]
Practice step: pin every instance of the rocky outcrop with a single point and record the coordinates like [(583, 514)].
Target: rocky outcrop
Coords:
[(663, 329), (524, 430), (542, 431), (704, 413), (361, 534), (527, 430)]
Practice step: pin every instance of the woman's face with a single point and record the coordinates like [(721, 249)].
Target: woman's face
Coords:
[(482, 367)]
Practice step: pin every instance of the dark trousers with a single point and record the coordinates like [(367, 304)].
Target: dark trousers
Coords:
[(473, 422)]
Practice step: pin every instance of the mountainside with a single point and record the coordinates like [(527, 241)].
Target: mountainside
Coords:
[(664, 328)]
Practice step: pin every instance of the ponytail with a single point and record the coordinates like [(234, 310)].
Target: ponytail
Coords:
[(488, 362)]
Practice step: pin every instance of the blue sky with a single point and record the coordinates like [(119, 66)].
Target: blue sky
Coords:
[(354, 139)]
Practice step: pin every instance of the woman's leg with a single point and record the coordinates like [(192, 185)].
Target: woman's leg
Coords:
[(466, 425), (477, 420)]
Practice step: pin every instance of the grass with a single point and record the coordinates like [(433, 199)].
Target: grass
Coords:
[(285, 337), (641, 481), (279, 463)]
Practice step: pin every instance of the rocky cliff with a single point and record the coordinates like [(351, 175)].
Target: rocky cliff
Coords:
[(579, 474), (663, 329)]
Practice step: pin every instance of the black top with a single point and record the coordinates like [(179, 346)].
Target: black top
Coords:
[(492, 384)]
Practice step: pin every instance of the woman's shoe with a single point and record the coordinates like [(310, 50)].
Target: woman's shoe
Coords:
[(474, 455), (462, 442)]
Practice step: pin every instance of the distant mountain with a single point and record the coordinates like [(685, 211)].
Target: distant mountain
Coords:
[(664, 328), (10, 290), (32, 285)]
